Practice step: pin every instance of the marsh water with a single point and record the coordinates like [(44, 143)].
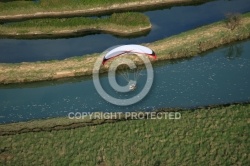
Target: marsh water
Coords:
[(216, 77)]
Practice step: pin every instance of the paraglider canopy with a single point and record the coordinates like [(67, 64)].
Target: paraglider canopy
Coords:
[(128, 49)]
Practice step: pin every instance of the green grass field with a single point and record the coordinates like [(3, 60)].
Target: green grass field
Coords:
[(215, 136)]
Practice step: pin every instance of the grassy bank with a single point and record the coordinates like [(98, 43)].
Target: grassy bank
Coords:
[(187, 44), (64, 123), (217, 136), (122, 24), (16, 10)]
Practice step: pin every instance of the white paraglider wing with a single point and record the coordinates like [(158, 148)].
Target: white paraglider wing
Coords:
[(129, 50), (126, 49)]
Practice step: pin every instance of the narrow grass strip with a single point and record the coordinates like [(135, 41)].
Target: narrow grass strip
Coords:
[(122, 24)]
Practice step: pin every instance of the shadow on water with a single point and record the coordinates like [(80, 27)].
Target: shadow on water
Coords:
[(234, 51)]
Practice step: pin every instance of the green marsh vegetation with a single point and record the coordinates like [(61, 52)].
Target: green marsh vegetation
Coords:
[(218, 136), (121, 22)]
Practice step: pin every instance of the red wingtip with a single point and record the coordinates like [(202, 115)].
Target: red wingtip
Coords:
[(153, 56)]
